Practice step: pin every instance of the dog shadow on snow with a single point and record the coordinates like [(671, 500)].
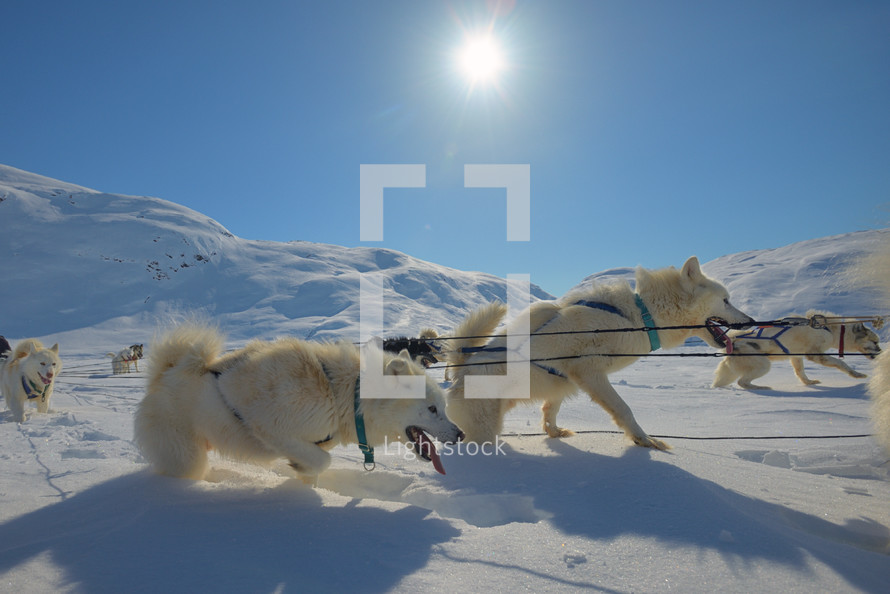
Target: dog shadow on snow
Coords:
[(640, 493), (853, 392), (142, 532)]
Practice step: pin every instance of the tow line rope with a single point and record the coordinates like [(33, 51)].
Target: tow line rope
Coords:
[(638, 355), (818, 321), (702, 438)]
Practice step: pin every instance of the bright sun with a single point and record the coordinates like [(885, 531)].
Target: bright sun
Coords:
[(481, 59)]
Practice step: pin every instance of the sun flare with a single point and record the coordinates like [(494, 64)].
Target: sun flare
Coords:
[(481, 59)]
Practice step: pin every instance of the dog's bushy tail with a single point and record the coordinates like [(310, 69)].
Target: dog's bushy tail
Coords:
[(474, 331), (189, 347), (164, 426)]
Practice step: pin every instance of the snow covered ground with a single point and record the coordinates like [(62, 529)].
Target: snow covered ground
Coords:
[(779, 498)]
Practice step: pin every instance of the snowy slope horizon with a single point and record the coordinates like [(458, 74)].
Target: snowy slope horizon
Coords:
[(111, 268), (124, 264)]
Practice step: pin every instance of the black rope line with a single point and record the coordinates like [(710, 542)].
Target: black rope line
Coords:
[(815, 322), (637, 355), (702, 438)]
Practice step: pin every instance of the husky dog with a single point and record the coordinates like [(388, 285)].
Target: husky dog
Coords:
[(874, 272), (287, 399), (29, 373), (423, 349), (120, 362), (582, 341), (795, 343)]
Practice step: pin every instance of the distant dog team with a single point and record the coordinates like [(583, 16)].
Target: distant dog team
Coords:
[(121, 361)]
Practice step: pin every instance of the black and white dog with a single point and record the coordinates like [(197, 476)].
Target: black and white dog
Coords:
[(424, 349), (120, 362)]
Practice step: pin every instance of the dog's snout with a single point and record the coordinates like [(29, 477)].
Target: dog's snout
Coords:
[(461, 435)]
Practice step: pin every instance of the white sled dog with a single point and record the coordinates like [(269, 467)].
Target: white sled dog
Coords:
[(120, 362), (790, 342), (874, 272), (287, 399), (29, 373), (586, 355)]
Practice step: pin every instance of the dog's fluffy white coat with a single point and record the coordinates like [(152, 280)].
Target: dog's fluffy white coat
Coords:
[(874, 272), (287, 398), (38, 366), (746, 366)]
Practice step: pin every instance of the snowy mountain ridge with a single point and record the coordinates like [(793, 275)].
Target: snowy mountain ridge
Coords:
[(123, 264)]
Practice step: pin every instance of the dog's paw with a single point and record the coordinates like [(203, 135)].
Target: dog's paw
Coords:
[(747, 386), (560, 432), (554, 431), (856, 374), (812, 382), (650, 442)]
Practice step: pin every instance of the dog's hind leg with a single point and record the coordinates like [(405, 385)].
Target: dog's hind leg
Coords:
[(725, 373), (754, 367), (797, 364), (481, 419), (829, 361), (549, 410), (601, 391), (305, 457)]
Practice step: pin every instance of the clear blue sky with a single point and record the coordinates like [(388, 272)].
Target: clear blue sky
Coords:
[(654, 130)]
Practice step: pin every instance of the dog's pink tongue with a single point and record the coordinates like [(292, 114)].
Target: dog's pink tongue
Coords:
[(728, 345), (429, 447)]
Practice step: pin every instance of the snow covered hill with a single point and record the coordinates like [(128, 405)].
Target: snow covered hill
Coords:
[(73, 258), (773, 283)]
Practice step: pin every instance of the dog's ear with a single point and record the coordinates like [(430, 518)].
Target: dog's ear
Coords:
[(692, 270), (399, 365), (55, 348)]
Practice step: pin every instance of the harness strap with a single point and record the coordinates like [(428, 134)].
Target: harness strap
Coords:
[(654, 342), (840, 344), (31, 390), (775, 337), (222, 397), (600, 305), (238, 416), (360, 433), (363, 444)]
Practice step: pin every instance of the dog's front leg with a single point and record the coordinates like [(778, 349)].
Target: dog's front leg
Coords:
[(601, 391), (829, 361), (797, 364), (549, 410), (16, 407)]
